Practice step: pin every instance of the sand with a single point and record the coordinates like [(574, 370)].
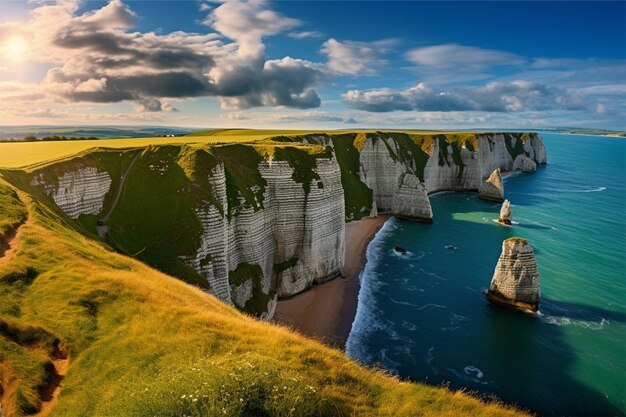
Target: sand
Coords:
[(326, 311)]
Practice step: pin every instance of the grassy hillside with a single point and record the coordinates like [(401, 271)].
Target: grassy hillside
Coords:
[(140, 343)]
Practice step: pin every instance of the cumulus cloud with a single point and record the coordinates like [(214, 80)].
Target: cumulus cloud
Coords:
[(356, 58), (115, 15), (97, 57), (517, 96), (247, 22)]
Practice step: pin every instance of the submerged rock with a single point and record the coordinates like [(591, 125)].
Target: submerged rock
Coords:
[(505, 213), (400, 249), (515, 282), (492, 188)]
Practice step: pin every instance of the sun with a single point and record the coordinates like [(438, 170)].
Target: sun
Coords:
[(15, 49)]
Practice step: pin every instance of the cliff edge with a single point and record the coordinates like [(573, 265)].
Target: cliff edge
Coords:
[(252, 222)]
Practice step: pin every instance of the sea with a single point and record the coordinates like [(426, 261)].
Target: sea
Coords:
[(424, 316)]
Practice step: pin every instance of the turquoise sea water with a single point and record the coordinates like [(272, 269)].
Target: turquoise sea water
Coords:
[(424, 315)]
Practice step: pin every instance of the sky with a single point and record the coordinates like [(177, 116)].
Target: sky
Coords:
[(326, 64)]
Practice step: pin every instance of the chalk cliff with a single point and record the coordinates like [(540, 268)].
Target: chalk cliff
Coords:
[(254, 222), (505, 213), (515, 282), (78, 192), (492, 188)]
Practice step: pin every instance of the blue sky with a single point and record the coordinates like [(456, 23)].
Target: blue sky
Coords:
[(307, 64)]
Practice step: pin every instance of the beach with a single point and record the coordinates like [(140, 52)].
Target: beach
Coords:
[(327, 311)]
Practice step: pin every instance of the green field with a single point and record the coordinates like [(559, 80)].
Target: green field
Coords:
[(116, 337), (21, 154)]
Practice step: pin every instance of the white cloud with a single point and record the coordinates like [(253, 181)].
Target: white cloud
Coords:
[(456, 56), (115, 15), (516, 96), (97, 57), (248, 22), (356, 58), (313, 34)]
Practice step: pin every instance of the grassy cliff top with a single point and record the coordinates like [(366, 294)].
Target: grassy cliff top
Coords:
[(517, 240), (24, 154), (141, 343)]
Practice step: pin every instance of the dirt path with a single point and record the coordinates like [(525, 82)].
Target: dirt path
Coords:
[(10, 244), (50, 393), (102, 224)]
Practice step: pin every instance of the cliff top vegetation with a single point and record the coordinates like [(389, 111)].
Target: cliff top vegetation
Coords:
[(141, 343), (23, 154)]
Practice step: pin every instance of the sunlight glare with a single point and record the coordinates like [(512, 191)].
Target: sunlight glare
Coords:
[(15, 49)]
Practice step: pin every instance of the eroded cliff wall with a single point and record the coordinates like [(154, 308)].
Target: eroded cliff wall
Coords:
[(254, 222)]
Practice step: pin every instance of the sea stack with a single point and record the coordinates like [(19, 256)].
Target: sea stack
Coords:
[(515, 282), (505, 213), (492, 188)]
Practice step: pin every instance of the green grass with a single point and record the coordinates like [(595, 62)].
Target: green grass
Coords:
[(142, 343), (517, 240), (244, 184), (13, 213), (244, 272), (303, 164), (517, 148), (16, 155), (155, 219), (358, 196), (283, 266)]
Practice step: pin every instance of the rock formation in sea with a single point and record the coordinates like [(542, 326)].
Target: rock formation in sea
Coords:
[(515, 282), (492, 188), (257, 222), (505, 213)]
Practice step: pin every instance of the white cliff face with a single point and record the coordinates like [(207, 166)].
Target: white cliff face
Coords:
[(410, 199), (78, 192), (515, 281), (307, 230), (524, 163), (505, 213), (492, 188), (389, 177), (297, 238), (443, 174), (396, 188)]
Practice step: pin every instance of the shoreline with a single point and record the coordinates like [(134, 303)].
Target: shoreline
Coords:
[(326, 311)]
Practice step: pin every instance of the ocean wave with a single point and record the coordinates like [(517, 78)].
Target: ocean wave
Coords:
[(548, 191), (472, 370), (566, 321), (409, 326), (404, 303), (430, 305), (429, 355), (429, 359), (390, 364), (369, 317), (470, 373), (595, 190)]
